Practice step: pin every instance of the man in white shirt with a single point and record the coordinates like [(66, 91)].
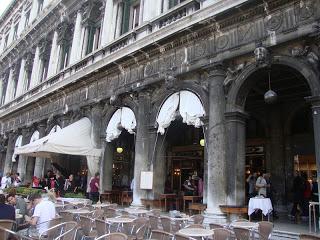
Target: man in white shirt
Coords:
[(44, 211), (6, 181), (261, 185)]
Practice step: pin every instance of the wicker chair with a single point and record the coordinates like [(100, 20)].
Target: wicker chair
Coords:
[(197, 219), (102, 227), (215, 225), (113, 236), (86, 224), (258, 236), (154, 222), (155, 212), (67, 216), (110, 212), (309, 237), (6, 233), (242, 233), (161, 235), (98, 213), (166, 224), (265, 228), (64, 230), (7, 223), (221, 234)]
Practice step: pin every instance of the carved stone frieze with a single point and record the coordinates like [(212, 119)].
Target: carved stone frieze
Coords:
[(304, 9), (273, 22)]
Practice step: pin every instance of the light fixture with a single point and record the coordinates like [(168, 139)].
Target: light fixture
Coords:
[(202, 142), (119, 149), (270, 96)]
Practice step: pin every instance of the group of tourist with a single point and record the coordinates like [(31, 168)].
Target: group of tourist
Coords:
[(10, 180)]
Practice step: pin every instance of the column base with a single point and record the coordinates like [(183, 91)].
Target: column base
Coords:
[(136, 205), (214, 216)]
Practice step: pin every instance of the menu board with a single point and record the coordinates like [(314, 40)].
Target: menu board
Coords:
[(146, 180)]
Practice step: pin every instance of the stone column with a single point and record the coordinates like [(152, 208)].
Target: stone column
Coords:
[(40, 162), (119, 19), (315, 101), (9, 153), (216, 144), (34, 11), (114, 21), (205, 121), (53, 60), (20, 84), (236, 157), (157, 148), (141, 146), (107, 166), (2, 79), (35, 69), (165, 5), (10, 86), (22, 164), (106, 36), (276, 165), (76, 41), (2, 43)]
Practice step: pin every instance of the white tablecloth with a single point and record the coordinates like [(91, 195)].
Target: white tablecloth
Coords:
[(263, 204)]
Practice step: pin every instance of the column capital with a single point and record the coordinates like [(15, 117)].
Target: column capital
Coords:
[(217, 69), (236, 116)]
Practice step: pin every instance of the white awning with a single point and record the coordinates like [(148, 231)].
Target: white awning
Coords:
[(122, 118), (74, 139), (190, 109)]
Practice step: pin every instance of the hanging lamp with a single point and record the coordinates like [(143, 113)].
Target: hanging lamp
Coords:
[(270, 96)]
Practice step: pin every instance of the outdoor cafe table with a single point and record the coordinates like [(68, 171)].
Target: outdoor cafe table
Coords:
[(100, 205), (196, 232), (120, 221), (182, 220), (136, 211), (74, 201), (248, 225), (264, 204)]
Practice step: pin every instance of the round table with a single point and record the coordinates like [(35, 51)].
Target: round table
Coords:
[(183, 219), (248, 225), (196, 232), (100, 205), (120, 221), (78, 211), (136, 211), (264, 204)]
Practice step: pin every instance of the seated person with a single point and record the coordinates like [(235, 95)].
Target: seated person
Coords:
[(44, 211), (18, 203), (189, 187), (70, 184), (6, 211)]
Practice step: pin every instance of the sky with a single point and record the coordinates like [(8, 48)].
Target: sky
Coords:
[(3, 5)]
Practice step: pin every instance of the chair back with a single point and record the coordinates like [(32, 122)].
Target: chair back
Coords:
[(221, 234), (5, 233), (179, 236), (215, 225), (161, 235), (195, 226), (7, 223), (265, 228), (155, 212), (86, 225), (97, 213), (110, 212), (61, 231), (197, 219), (113, 236), (242, 233), (166, 224), (101, 227), (309, 237), (69, 231), (154, 222), (67, 216)]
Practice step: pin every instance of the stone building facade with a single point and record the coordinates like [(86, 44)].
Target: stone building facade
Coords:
[(61, 60)]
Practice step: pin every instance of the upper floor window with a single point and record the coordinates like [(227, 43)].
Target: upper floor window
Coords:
[(15, 32), (173, 3), (131, 15), (27, 19), (6, 40), (40, 5)]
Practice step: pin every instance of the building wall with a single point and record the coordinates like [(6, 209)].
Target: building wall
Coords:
[(206, 47)]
